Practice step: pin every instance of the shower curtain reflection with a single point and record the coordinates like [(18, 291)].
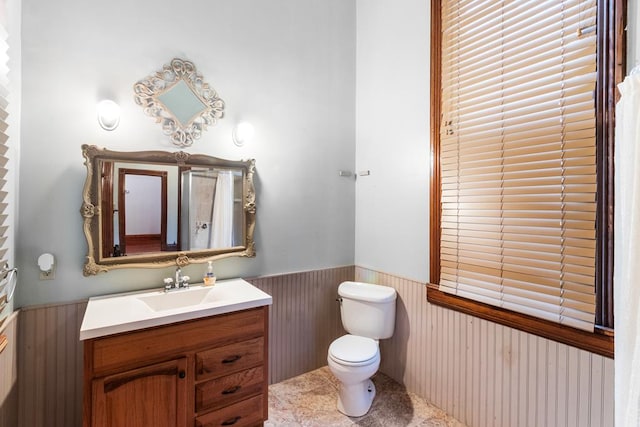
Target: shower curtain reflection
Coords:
[(211, 209), (221, 235)]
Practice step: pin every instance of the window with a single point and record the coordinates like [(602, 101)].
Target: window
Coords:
[(7, 276), (522, 128)]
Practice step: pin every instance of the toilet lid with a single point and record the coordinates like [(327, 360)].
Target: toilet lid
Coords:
[(353, 349)]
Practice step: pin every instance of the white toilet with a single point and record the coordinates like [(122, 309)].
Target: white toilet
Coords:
[(368, 314)]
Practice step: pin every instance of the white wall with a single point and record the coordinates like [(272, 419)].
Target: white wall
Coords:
[(392, 137), (285, 65)]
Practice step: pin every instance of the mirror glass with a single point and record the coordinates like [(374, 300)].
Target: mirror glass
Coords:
[(157, 208), (180, 100)]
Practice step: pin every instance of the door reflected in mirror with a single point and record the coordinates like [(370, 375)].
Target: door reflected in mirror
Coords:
[(140, 225), (139, 208)]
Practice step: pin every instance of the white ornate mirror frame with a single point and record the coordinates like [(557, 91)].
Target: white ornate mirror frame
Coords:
[(180, 100), (95, 205)]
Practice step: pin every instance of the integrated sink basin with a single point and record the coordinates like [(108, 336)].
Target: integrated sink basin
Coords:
[(180, 298), (111, 314)]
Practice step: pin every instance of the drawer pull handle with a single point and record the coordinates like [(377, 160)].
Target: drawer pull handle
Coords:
[(231, 390), (231, 421), (231, 359), (181, 374)]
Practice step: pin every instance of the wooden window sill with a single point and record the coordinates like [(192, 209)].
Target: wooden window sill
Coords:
[(599, 342)]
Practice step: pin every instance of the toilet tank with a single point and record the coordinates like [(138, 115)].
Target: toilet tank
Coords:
[(367, 310)]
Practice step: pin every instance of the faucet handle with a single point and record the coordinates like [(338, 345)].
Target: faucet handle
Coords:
[(168, 283), (185, 281)]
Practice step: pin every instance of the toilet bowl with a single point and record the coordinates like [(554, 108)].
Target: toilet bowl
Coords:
[(353, 360), (368, 314)]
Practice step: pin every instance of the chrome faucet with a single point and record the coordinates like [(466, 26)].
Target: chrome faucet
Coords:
[(178, 277), (179, 282)]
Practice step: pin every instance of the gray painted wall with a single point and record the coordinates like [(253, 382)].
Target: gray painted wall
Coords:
[(290, 67), (287, 66), (392, 137)]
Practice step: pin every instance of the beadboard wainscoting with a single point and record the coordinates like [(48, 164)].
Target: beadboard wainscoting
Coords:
[(50, 366), (304, 319), (9, 372), (484, 374), (488, 375)]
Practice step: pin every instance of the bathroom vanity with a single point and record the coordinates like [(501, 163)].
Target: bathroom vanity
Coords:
[(199, 361)]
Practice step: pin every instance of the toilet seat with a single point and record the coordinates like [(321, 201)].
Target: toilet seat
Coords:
[(354, 350)]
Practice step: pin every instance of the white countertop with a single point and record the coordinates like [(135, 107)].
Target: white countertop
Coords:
[(112, 314)]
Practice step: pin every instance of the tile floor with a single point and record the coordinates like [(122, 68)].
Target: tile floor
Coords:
[(310, 400)]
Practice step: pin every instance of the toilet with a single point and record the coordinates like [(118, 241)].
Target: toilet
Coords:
[(368, 314)]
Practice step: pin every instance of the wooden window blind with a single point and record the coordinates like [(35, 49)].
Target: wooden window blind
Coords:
[(7, 278), (518, 156)]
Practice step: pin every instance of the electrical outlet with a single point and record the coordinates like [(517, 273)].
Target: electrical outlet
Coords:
[(47, 275)]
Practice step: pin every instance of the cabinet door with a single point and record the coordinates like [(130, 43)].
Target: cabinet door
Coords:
[(155, 395)]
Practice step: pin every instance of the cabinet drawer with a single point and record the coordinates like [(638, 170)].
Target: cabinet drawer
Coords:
[(110, 353), (230, 389), (229, 358), (245, 413)]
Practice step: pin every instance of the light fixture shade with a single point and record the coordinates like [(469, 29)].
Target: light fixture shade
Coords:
[(108, 114), (243, 132)]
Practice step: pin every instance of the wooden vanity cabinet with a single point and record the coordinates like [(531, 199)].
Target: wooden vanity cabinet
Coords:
[(206, 372)]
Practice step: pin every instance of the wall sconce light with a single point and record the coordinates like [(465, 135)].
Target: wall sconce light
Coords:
[(108, 114), (47, 265), (243, 132)]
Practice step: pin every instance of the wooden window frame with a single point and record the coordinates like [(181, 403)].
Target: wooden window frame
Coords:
[(611, 70)]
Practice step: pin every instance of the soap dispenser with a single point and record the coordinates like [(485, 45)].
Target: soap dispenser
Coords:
[(209, 278)]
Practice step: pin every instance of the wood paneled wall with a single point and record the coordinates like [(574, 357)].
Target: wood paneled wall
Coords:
[(488, 375), (304, 319), (484, 374), (50, 367), (9, 373)]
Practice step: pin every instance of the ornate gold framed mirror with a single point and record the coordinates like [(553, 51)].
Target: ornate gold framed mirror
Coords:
[(150, 209), (180, 100)]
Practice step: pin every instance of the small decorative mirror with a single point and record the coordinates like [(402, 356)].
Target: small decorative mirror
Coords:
[(156, 208), (179, 99)]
